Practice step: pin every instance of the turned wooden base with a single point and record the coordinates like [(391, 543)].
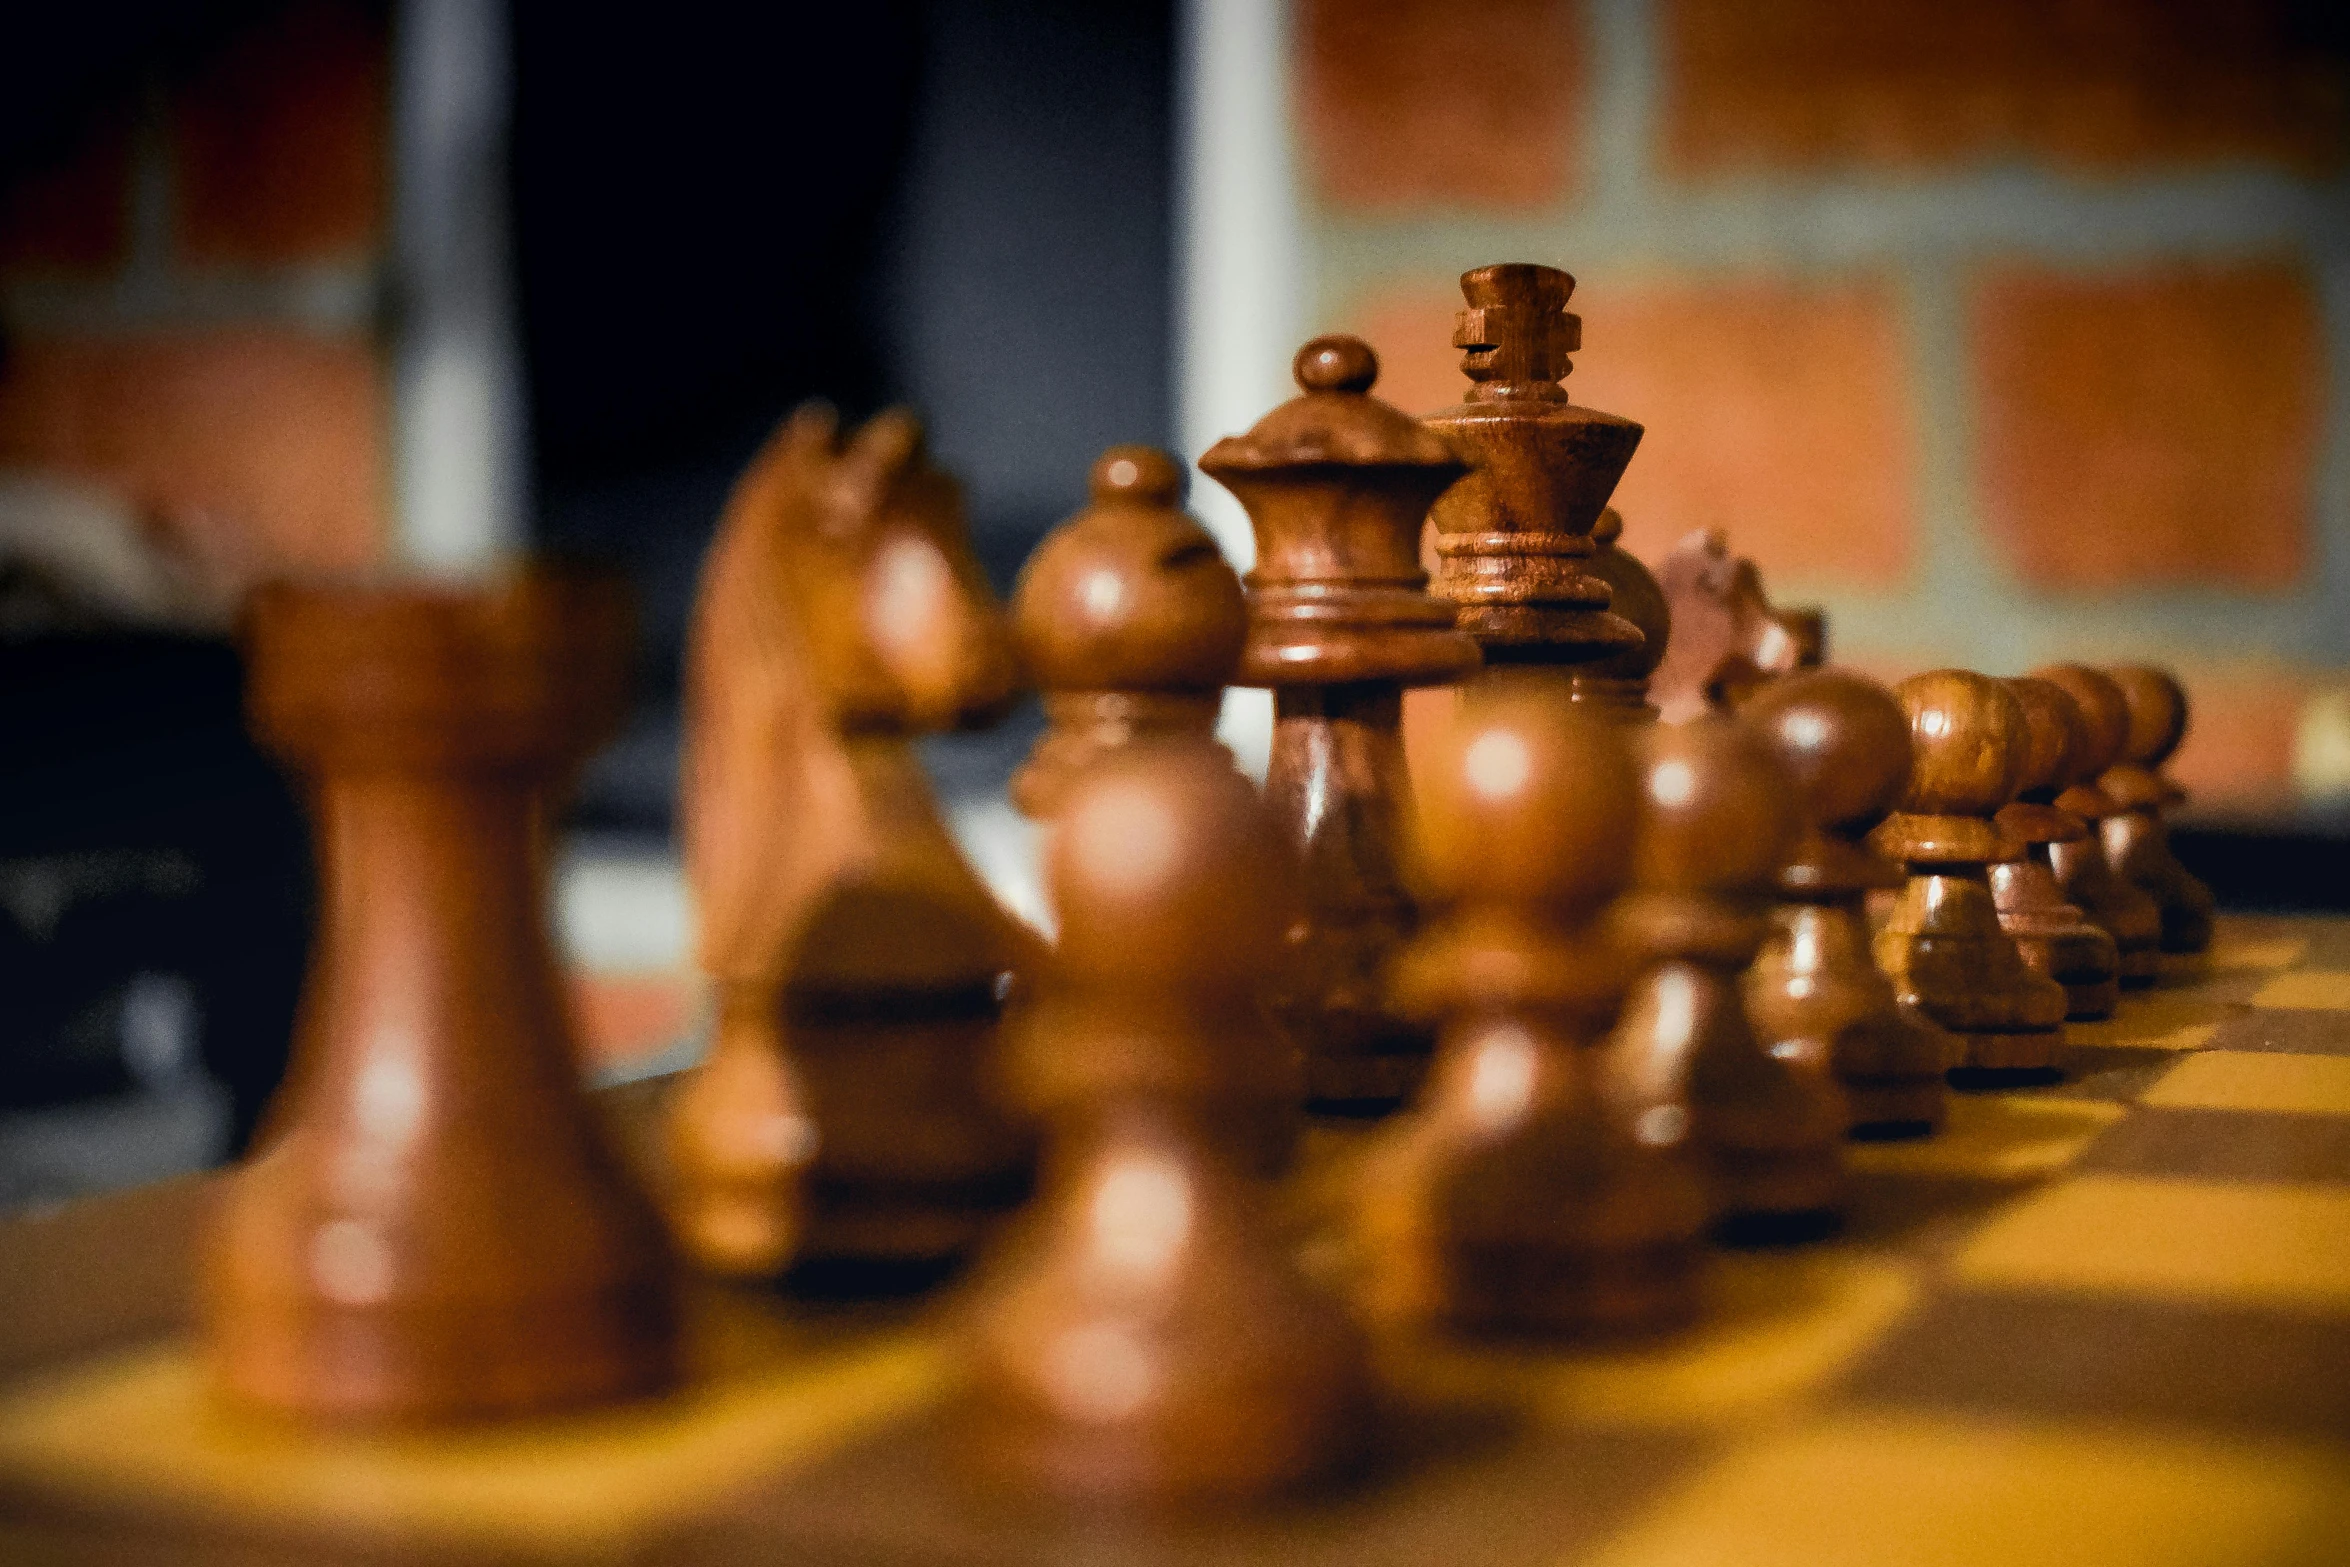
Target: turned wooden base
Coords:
[(2025, 1050), (1521, 1292), (1911, 1107)]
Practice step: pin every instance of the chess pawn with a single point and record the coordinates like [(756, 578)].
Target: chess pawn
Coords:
[(1719, 815), (1942, 943), (2083, 874), (1620, 680), (1815, 984), (1336, 483), (1727, 639), (2136, 840), (842, 1122), (1514, 537), (433, 1227), (2055, 937), (1143, 1336), (1518, 1196), (1129, 621)]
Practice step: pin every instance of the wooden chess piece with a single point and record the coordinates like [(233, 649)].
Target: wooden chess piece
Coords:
[(433, 1227), (1942, 943), (1620, 680), (2136, 839), (1515, 535), (1815, 984), (1727, 639), (1518, 1196), (842, 1120), (2055, 937), (1336, 483), (2083, 874), (1808, 625), (1144, 1337), (1719, 815), (1129, 621)]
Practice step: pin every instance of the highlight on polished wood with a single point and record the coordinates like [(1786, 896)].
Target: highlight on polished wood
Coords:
[(432, 1226), (844, 1116), (1336, 484), (1943, 944), (1144, 1337), (1130, 622), (1815, 986)]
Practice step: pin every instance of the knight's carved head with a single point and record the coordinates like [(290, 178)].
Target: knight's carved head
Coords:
[(895, 617)]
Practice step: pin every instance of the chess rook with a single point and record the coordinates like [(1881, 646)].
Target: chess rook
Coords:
[(2083, 873), (1815, 986), (1143, 1337), (1514, 535), (1620, 680), (1336, 484), (842, 1120), (434, 1227), (2055, 937), (1129, 621), (1518, 1196), (1942, 943), (1719, 815), (2136, 839)]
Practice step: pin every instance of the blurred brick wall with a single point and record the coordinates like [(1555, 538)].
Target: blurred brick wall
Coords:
[(2008, 331), (188, 292)]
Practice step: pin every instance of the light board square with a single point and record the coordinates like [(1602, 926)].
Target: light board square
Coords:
[(2246, 1080)]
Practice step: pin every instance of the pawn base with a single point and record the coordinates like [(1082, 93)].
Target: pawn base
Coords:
[(1884, 1110), (1777, 1186), (2032, 1050), (1515, 1293)]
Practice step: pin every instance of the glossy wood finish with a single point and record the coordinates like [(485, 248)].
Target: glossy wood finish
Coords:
[(1129, 620), (1815, 989), (2055, 937), (433, 1227), (1808, 625), (2083, 874), (844, 1114), (1518, 1196), (1941, 942), (1719, 815), (1727, 639), (2136, 839), (1514, 537), (1336, 484), (1620, 680), (1143, 1337)]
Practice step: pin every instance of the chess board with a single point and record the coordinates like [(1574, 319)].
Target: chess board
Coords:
[(2103, 1321)]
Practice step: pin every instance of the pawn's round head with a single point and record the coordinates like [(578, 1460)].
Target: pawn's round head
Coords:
[(2105, 715), (1530, 802), (2157, 706), (1165, 871), (2055, 735), (1967, 742), (1842, 737), (1336, 363), (1718, 809), (1130, 594)]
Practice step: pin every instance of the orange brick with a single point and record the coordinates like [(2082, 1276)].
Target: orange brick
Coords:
[(1431, 103), (2241, 729), (278, 144), (275, 435), (1802, 83), (1776, 410), (625, 1017), (2150, 428), (72, 214)]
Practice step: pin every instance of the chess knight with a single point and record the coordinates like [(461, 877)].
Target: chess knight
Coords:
[(844, 1115)]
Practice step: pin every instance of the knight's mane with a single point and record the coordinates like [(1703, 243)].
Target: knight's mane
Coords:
[(763, 787)]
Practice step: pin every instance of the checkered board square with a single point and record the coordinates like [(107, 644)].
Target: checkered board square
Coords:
[(2103, 1321)]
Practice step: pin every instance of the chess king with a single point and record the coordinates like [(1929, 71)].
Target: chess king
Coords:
[(843, 1115)]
